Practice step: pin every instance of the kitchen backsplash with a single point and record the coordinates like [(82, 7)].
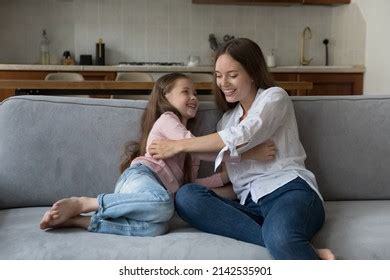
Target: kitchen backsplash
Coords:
[(171, 30)]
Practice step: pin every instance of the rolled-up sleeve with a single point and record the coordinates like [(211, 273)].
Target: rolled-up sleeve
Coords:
[(264, 118)]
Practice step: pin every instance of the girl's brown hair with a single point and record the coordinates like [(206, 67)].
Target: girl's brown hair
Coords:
[(157, 105), (250, 56)]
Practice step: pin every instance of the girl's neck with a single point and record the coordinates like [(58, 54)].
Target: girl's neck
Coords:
[(184, 121)]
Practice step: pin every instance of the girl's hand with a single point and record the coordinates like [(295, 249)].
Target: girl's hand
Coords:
[(224, 175), (264, 151), (226, 191), (162, 149)]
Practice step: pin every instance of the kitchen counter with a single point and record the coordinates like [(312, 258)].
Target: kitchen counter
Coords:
[(157, 68), (318, 69)]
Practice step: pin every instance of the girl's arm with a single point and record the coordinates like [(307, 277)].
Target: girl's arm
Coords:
[(214, 181), (264, 151), (218, 182), (226, 191)]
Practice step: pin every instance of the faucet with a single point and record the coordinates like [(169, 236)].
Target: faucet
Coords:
[(303, 61)]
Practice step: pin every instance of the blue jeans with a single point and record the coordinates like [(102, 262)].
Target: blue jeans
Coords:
[(140, 205), (283, 221)]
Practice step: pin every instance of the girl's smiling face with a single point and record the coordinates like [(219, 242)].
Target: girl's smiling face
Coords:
[(184, 98)]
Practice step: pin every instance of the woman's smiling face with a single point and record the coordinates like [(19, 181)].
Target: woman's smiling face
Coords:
[(233, 80)]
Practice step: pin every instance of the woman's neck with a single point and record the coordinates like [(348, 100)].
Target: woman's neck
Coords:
[(247, 102)]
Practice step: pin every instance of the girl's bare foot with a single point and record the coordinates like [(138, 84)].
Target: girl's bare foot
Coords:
[(75, 222), (325, 254), (44, 224), (67, 208)]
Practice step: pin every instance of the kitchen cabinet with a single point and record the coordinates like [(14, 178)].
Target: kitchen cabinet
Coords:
[(288, 77), (334, 84), (40, 75), (19, 75), (330, 83), (270, 2), (325, 83), (325, 2)]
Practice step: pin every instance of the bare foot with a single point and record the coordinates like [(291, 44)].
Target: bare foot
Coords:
[(325, 254), (78, 222), (44, 224), (67, 208)]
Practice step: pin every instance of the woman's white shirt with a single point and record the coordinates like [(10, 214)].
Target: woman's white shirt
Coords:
[(271, 116)]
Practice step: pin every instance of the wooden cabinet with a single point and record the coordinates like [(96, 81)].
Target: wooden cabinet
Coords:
[(40, 75), (325, 2), (19, 75), (326, 83), (323, 83), (246, 2), (288, 77), (260, 2), (334, 84)]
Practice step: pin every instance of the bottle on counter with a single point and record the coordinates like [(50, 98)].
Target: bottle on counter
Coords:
[(44, 49), (271, 61), (100, 52)]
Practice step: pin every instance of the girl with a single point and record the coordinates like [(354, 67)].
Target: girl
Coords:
[(142, 203), (280, 206)]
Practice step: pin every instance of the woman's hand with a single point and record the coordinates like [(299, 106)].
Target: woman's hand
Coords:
[(264, 151), (162, 149)]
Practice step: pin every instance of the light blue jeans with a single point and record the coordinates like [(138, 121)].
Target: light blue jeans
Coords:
[(140, 205)]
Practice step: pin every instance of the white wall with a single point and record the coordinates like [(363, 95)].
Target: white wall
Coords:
[(377, 76), (170, 30)]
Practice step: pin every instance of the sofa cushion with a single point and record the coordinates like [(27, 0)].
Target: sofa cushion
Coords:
[(356, 229), (21, 238), (353, 230)]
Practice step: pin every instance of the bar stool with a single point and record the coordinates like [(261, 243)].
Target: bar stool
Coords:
[(66, 76), (199, 78), (133, 77)]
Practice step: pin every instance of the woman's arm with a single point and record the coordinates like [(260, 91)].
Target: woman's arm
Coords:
[(264, 151), (162, 149), (257, 127)]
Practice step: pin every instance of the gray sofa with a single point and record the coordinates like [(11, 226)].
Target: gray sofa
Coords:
[(55, 147)]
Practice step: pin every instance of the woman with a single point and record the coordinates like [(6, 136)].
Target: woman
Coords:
[(279, 206)]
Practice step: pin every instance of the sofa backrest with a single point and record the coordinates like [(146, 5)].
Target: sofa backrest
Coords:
[(54, 147), (346, 139)]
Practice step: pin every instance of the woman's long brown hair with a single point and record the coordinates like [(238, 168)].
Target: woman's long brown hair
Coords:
[(250, 56), (157, 105)]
